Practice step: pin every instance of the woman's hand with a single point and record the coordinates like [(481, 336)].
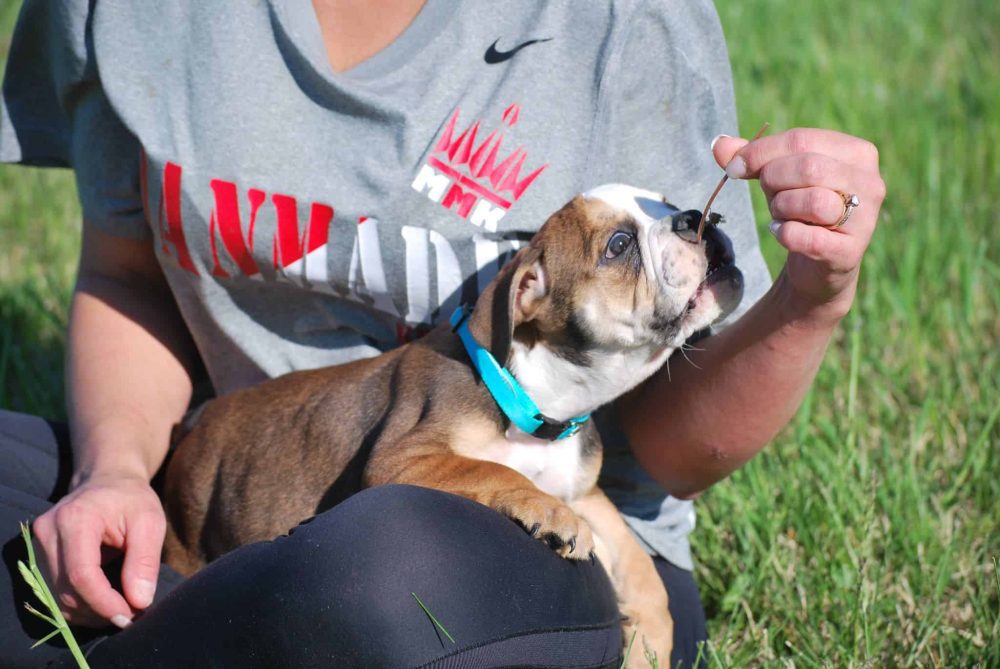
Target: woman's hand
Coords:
[(805, 174), (112, 511), (768, 359), (128, 383)]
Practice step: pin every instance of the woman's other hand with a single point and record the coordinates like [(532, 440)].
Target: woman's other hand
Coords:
[(103, 516)]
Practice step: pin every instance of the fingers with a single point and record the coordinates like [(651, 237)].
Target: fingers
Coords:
[(725, 147), (747, 162), (821, 206), (79, 551), (804, 172), (121, 514), (807, 170), (144, 541), (837, 253)]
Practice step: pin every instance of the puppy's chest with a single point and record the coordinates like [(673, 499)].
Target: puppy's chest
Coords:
[(558, 468)]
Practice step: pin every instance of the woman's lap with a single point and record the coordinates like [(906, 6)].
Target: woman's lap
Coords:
[(338, 591)]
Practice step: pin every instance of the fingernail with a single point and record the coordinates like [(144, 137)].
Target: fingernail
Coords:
[(717, 138), (774, 227), (737, 168), (120, 621), (144, 591)]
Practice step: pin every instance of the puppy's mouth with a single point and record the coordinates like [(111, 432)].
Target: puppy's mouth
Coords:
[(721, 265)]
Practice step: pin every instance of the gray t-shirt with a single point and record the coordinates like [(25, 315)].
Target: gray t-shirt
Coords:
[(306, 218)]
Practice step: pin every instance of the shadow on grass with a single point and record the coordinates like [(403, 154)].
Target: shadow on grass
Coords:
[(32, 342)]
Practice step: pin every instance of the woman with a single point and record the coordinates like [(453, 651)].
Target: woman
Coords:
[(273, 186)]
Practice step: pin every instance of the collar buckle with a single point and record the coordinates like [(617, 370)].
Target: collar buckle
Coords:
[(553, 430)]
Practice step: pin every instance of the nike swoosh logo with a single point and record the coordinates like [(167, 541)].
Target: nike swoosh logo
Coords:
[(492, 56)]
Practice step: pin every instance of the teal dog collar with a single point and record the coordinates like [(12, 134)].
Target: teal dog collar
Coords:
[(507, 392)]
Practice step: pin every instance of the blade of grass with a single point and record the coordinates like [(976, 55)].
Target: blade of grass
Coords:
[(650, 656), (44, 638), (38, 614), (33, 577), (977, 447), (433, 619), (628, 651)]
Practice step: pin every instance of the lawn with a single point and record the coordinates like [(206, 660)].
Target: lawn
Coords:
[(867, 534)]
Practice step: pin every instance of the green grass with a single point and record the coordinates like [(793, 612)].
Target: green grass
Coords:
[(39, 240), (32, 575), (867, 534)]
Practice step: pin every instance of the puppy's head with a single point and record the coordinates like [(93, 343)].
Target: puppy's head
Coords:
[(618, 269)]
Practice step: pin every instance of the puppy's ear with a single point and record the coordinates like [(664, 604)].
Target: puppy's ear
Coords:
[(528, 289), (512, 299)]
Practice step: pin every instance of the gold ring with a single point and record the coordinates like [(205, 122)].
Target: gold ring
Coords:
[(850, 202)]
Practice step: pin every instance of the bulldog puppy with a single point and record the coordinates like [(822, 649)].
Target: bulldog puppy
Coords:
[(606, 290)]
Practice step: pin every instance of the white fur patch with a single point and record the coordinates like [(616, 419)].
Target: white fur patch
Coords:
[(554, 466), (645, 206), (563, 390)]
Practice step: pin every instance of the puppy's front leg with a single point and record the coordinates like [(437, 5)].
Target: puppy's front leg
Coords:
[(494, 485), (642, 598)]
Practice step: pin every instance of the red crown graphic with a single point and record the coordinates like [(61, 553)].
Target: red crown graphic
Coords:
[(479, 160)]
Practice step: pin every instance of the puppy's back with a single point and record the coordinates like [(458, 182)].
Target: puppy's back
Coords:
[(224, 486)]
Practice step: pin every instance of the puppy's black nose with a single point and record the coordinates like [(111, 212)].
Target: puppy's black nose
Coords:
[(685, 224), (691, 217)]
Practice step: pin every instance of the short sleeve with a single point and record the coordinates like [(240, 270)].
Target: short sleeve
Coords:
[(53, 112), (666, 92)]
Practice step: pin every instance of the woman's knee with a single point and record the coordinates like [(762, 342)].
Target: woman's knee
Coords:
[(346, 585), (398, 535), (375, 562)]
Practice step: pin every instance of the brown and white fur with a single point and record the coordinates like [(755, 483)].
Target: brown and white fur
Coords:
[(608, 288)]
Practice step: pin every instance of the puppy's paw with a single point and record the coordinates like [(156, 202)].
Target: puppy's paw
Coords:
[(653, 642), (546, 518)]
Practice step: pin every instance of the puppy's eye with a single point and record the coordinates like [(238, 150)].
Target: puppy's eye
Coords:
[(619, 242)]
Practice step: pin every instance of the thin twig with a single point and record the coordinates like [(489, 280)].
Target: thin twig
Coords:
[(722, 182)]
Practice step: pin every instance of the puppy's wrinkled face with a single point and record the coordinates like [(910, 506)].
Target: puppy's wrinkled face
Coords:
[(622, 270)]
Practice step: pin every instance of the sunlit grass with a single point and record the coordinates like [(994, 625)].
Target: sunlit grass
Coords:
[(867, 534)]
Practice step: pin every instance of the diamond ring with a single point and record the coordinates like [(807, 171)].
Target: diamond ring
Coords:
[(850, 202)]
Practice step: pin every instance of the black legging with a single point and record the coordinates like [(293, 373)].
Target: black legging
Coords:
[(338, 591)]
